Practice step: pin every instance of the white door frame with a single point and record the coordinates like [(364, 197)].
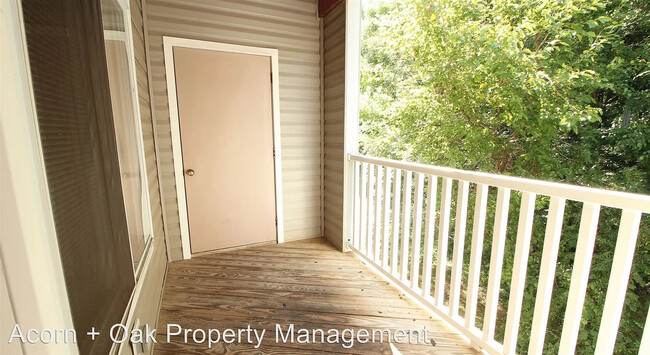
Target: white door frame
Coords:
[(169, 43)]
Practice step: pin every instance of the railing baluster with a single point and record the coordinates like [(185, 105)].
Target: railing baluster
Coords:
[(443, 240), (370, 210), (363, 204), (429, 229), (406, 225), (459, 246), (476, 253), (397, 189), (519, 266), (378, 197), (619, 277), (644, 348), (579, 277), (417, 231), (546, 274), (496, 263), (386, 214), (356, 204)]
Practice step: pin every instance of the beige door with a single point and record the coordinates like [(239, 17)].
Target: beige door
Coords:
[(225, 113)]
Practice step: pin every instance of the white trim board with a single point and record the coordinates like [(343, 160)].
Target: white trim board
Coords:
[(168, 44), (351, 111), (126, 36), (28, 242), (127, 317), (146, 199)]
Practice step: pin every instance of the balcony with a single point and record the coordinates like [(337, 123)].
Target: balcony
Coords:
[(473, 258), (401, 277)]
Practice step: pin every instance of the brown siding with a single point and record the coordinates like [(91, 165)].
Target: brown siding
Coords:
[(292, 27), (334, 86)]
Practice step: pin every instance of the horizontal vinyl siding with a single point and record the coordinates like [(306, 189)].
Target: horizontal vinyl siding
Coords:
[(146, 118), (290, 26), (334, 85), (147, 305)]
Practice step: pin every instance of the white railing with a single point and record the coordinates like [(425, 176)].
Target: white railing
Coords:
[(387, 232)]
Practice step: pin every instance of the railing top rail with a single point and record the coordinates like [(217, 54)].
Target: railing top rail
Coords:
[(609, 198)]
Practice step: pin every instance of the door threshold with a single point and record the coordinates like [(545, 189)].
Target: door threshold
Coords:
[(216, 251)]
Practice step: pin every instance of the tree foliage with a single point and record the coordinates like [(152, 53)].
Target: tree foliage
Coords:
[(547, 89)]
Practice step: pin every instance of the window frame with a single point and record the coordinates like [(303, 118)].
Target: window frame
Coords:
[(147, 225)]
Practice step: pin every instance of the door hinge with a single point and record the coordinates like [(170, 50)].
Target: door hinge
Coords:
[(276, 221), (273, 152), (271, 74)]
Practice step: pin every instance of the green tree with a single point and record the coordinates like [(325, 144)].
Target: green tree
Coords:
[(552, 90)]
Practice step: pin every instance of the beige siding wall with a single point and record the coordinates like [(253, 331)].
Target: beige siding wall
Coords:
[(147, 304), (290, 26), (146, 117), (334, 86)]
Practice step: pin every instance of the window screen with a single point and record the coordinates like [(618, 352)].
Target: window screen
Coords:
[(68, 65)]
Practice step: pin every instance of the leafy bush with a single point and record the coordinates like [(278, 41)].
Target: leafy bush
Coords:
[(552, 90)]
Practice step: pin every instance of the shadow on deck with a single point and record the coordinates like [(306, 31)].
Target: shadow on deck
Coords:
[(306, 283)]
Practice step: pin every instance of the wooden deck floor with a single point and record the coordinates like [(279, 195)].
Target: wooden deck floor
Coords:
[(308, 283)]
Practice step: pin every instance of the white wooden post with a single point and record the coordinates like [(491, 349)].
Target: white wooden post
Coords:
[(364, 206), (388, 174), (350, 107), (397, 193), (406, 225), (378, 192), (417, 231), (443, 240), (370, 210), (619, 277), (579, 277), (519, 266), (429, 229), (459, 247), (546, 274), (356, 234), (496, 263), (476, 254)]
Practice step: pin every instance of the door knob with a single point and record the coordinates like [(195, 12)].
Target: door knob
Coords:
[(189, 172)]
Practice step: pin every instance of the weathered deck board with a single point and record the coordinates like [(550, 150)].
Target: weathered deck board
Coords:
[(307, 283)]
